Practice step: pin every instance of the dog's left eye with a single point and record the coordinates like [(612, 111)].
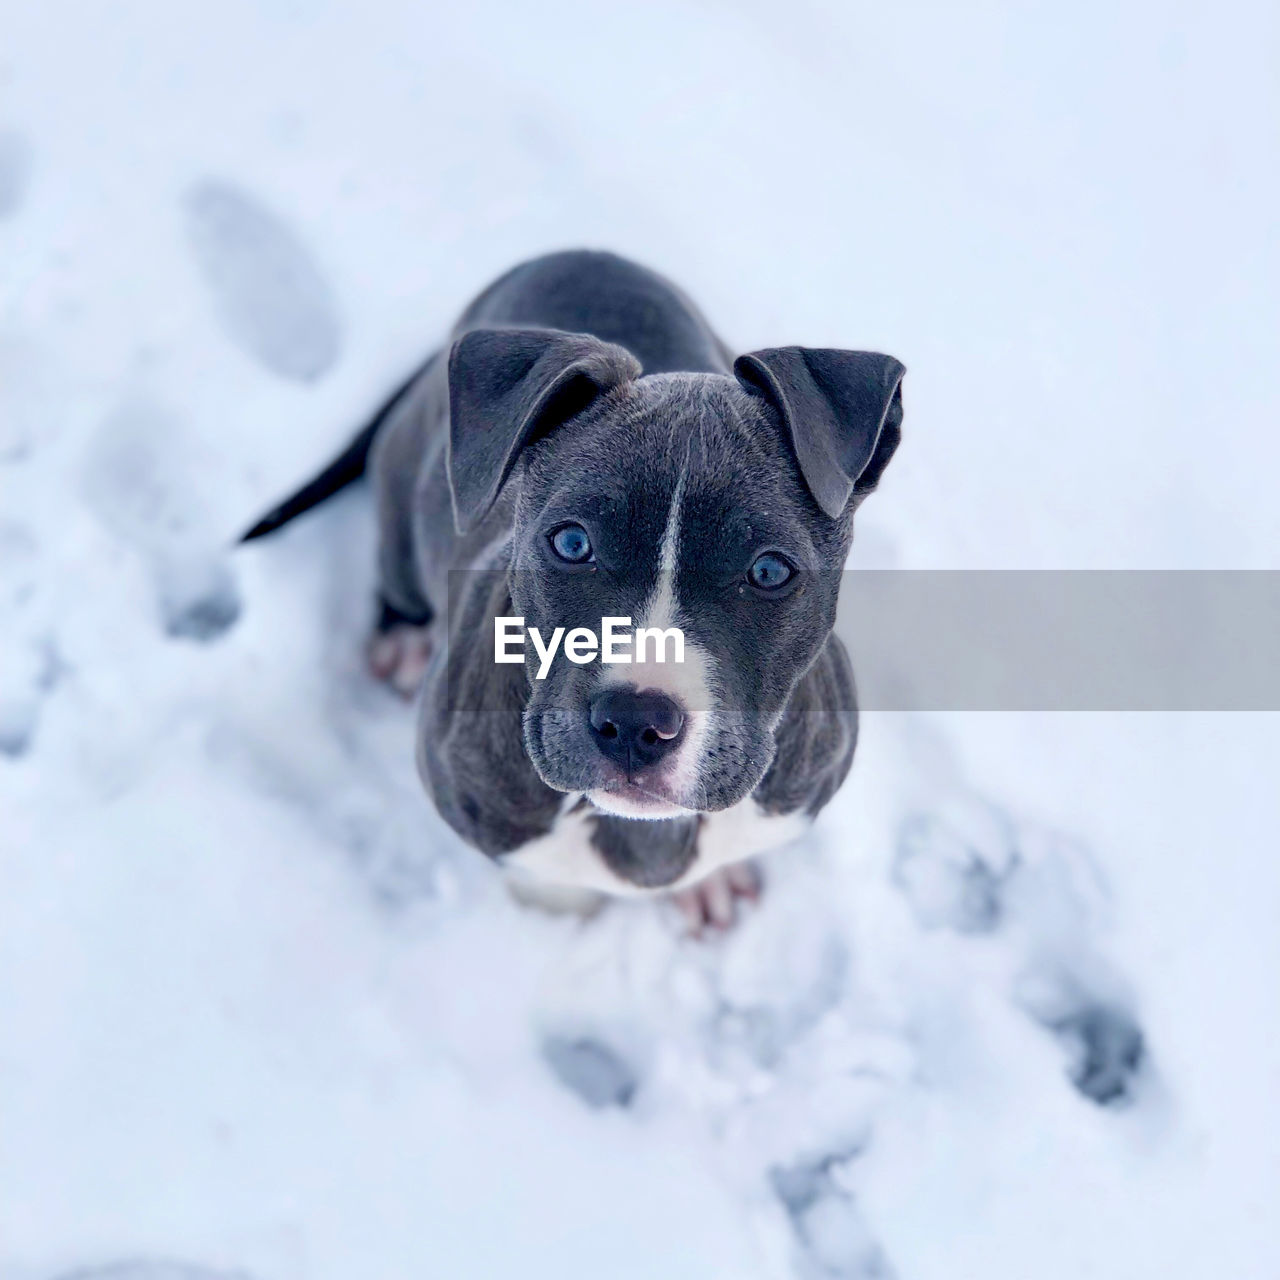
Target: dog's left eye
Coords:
[(571, 544), (770, 571)]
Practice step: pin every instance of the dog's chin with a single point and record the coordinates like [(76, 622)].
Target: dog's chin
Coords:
[(626, 800), (610, 793)]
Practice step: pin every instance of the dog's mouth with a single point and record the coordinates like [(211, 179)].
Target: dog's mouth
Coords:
[(632, 798)]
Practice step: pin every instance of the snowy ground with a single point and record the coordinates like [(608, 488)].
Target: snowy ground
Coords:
[(1012, 1012)]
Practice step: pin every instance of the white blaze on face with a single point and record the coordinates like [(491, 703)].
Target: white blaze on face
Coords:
[(689, 681)]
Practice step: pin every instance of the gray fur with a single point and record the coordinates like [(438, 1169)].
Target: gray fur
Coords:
[(649, 854), (581, 387), (741, 490)]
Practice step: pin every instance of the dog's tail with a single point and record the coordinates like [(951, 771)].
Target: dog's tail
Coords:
[(347, 467)]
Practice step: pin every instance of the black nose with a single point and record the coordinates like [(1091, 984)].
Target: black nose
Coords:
[(635, 729)]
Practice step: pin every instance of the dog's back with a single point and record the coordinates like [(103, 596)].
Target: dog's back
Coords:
[(581, 291)]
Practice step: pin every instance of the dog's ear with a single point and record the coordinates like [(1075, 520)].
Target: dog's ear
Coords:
[(507, 387), (842, 411)]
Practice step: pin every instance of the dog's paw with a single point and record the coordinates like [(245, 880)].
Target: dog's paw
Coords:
[(714, 903), (400, 655)]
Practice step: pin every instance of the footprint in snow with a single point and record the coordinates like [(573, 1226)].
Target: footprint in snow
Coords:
[(32, 666), (27, 681), (591, 1069), (1105, 1048), (271, 297), (952, 867), (142, 480), (832, 1237), (971, 869), (15, 171)]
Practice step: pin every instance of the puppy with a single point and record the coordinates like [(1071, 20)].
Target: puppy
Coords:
[(588, 449)]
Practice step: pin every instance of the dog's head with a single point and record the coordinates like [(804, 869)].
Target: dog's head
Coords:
[(721, 506)]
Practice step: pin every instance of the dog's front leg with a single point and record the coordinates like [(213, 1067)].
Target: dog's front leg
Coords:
[(404, 633), (714, 903), (400, 650)]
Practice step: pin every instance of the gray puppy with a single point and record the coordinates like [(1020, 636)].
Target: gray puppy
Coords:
[(588, 448)]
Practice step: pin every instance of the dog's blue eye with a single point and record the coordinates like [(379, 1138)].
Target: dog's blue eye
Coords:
[(769, 572), (571, 544)]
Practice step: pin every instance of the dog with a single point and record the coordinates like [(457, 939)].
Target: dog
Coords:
[(587, 448)]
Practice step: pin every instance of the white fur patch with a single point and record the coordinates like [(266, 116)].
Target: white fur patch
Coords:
[(662, 606), (565, 855), (744, 830)]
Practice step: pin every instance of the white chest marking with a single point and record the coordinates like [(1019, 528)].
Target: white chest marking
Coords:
[(565, 855)]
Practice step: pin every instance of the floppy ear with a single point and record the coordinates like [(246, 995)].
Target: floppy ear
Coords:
[(842, 411), (507, 387)]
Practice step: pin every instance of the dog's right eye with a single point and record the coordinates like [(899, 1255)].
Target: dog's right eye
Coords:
[(770, 572), (571, 544)]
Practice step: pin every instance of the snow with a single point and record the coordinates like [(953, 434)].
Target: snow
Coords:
[(1012, 1011)]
